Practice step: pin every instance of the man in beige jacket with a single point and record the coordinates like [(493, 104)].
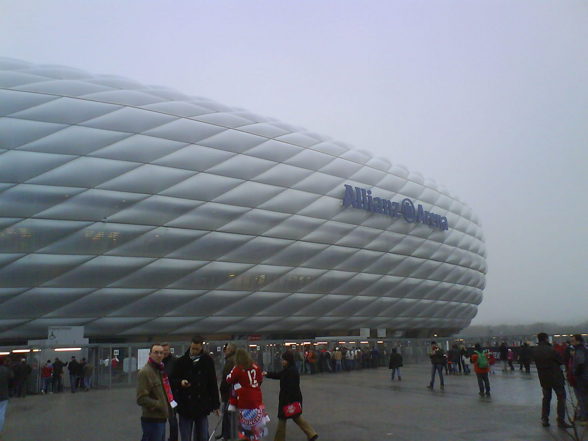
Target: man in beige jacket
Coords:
[(154, 396)]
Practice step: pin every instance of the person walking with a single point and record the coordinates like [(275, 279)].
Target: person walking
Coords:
[(21, 371), (511, 357), (438, 363), (154, 395), (337, 357), (229, 424), (481, 368), (551, 378), (46, 377), (6, 375), (299, 358), (197, 394), (88, 372), (503, 351), (525, 357), (462, 357), (290, 399), (580, 373), (58, 366), (74, 369), (395, 364), (246, 376)]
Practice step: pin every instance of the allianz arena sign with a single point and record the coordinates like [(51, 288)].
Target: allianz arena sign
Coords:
[(362, 198)]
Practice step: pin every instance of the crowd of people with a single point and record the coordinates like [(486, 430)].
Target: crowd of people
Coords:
[(309, 360), (51, 374), (182, 392), (192, 394), (555, 365), (80, 375)]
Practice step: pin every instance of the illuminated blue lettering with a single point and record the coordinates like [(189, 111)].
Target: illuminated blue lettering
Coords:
[(362, 198)]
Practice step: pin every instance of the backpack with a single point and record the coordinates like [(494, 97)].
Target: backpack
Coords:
[(482, 360)]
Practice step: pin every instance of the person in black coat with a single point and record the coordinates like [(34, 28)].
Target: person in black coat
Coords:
[(525, 357), (290, 393), (395, 364), (551, 377), (195, 391)]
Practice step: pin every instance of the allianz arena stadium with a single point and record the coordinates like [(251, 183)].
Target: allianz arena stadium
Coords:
[(136, 210)]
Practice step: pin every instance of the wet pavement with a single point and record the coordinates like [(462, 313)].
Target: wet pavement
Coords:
[(352, 406)]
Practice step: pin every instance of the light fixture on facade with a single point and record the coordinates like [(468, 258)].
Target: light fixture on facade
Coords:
[(67, 349)]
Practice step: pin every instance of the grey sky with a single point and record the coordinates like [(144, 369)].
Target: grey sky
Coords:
[(489, 98)]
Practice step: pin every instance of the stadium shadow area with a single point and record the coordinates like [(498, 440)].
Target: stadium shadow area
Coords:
[(351, 406)]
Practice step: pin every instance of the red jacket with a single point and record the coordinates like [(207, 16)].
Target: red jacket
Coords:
[(249, 393), (46, 371)]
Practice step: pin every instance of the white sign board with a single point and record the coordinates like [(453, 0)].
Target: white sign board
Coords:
[(66, 335), (142, 357)]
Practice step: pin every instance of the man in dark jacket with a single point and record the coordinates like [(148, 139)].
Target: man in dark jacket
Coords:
[(395, 364), (169, 363), (22, 371), (548, 364), (580, 368), (438, 363), (197, 393), (58, 366), (74, 368), (525, 357)]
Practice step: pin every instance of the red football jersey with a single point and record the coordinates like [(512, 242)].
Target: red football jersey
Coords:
[(249, 393)]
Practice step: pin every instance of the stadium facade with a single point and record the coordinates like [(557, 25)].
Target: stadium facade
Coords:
[(136, 210)]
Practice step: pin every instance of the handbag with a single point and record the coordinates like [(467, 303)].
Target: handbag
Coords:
[(292, 409)]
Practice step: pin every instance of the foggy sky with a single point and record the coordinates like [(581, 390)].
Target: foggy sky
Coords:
[(488, 98)]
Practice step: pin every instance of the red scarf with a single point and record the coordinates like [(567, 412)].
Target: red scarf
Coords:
[(166, 385)]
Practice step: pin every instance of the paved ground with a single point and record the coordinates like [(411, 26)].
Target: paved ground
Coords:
[(356, 406)]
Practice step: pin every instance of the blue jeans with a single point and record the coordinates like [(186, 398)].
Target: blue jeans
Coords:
[(73, 382), (3, 406), (437, 368), (394, 372), (483, 382), (153, 431), (198, 428), (57, 383), (46, 387)]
